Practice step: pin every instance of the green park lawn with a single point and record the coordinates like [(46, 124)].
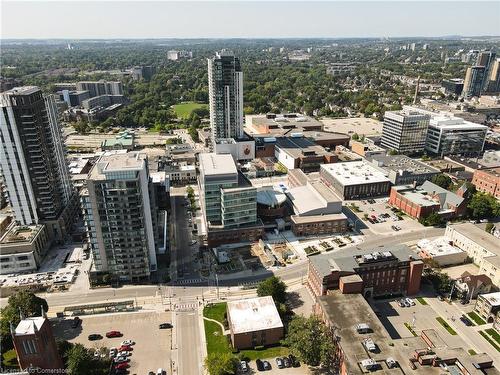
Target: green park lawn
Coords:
[(183, 110), (450, 330)]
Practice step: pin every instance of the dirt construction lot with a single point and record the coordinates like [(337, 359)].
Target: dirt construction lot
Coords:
[(152, 348)]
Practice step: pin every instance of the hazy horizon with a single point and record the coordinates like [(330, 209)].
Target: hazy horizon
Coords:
[(248, 20)]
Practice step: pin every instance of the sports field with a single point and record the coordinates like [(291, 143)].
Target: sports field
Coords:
[(183, 110)]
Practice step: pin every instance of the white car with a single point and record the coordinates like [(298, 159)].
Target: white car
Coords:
[(124, 353), (127, 343), (121, 359), (112, 353), (410, 301)]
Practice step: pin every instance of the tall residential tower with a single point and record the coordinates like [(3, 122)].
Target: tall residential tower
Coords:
[(33, 162), (117, 211), (225, 89)]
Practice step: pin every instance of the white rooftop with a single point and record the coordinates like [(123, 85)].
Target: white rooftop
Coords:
[(438, 247), (492, 298), (253, 314), (27, 326), (355, 173), (217, 164)]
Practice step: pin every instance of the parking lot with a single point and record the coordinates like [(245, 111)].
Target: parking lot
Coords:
[(380, 219), (152, 348), (418, 316)]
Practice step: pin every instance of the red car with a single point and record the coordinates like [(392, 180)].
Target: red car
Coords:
[(121, 366), (125, 348), (113, 334)]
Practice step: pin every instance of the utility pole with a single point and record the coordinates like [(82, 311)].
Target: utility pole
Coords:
[(217, 284)]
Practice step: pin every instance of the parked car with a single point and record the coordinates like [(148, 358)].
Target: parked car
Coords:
[(125, 348), (295, 362), (111, 334), (122, 365), (279, 363), (161, 371), (466, 321), (121, 359), (260, 365), (401, 303), (287, 362), (95, 336), (243, 366), (440, 297), (128, 342), (113, 352), (410, 301), (267, 365), (76, 322), (124, 353), (165, 325)]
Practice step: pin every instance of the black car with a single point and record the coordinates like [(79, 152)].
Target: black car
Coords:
[(287, 362), (95, 336), (466, 321), (165, 325), (295, 362), (260, 365)]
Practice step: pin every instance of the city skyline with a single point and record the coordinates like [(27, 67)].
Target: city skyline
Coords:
[(317, 19)]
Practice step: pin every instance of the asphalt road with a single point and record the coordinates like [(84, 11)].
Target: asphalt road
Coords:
[(188, 339), (287, 273)]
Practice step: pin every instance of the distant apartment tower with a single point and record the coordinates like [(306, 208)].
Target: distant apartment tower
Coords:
[(97, 88), (493, 82), (225, 89), (33, 160), (118, 214), (473, 83), (405, 131), (453, 86)]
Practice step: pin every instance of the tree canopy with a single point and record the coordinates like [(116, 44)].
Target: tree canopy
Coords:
[(221, 364), (274, 287)]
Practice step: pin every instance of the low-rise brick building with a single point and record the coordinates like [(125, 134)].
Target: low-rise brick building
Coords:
[(254, 322), (428, 198), (395, 270), (487, 181)]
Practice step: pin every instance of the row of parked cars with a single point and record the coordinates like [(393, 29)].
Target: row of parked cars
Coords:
[(263, 365)]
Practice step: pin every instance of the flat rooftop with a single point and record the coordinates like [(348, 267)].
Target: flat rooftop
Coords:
[(253, 314), (359, 125), (298, 147), (438, 247), (492, 298), (355, 173), (403, 163), (20, 233), (478, 235), (217, 164), (315, 195), (346, 259), (117, 162), (22, 90), (345, 312)]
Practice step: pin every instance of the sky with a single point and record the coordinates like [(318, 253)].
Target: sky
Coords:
[(244, 19)]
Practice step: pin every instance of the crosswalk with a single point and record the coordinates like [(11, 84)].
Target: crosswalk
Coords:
[(190, 281), (186, 306)]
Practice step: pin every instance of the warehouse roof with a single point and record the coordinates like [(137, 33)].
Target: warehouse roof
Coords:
[(355, 173)]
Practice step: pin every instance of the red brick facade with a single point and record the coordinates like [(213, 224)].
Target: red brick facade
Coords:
[(38, 349), (487, 181)]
